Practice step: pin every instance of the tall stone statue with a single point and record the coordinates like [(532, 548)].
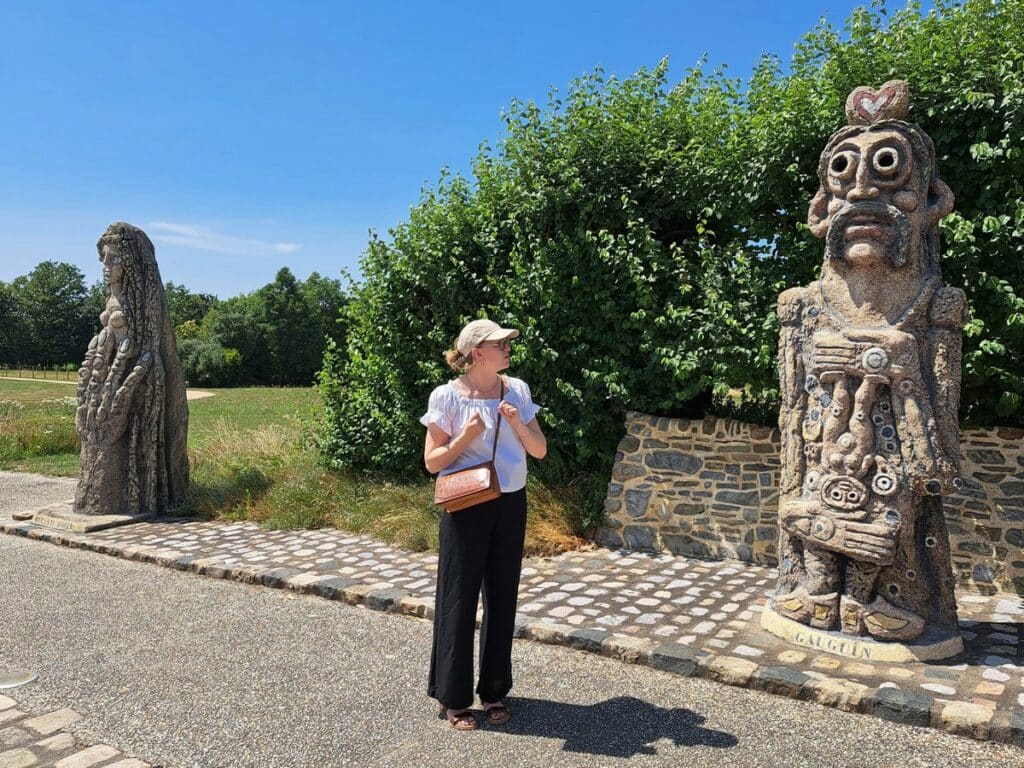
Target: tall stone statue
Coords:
[(132, 417), (869, 360)]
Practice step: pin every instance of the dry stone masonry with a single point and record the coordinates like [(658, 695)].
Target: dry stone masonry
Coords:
[(709, 489)]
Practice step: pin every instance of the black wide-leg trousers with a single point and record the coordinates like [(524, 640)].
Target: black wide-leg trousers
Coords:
[(481, 546)]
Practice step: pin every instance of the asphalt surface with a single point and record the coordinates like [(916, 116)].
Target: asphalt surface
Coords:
[(22, 491), (180, 670)]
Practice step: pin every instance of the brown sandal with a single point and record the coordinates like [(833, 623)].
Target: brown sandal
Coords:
[(463, 720), (497, 714)]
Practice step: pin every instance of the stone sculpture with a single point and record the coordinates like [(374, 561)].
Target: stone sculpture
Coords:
[(869, 360), (132, 416)]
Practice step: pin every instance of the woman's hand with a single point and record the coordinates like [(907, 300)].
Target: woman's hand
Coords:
[(510, 413), (474, 427), (530, 435)]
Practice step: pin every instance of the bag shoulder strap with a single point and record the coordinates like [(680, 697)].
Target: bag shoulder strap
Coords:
[(494, 448)]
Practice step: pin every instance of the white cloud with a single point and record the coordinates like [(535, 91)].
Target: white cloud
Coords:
[(204, 240)]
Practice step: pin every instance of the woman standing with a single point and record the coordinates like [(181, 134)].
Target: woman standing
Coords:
[(481, 545)]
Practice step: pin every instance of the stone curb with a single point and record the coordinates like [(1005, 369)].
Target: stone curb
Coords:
[(31, 740), (890, 703)]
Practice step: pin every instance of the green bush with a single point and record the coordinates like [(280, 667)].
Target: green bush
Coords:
[(207, 364), (638, 233)]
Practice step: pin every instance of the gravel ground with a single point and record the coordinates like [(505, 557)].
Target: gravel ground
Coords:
[(184, 671), (21, 491)]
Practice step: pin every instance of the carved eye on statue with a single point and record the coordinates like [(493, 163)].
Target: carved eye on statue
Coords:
[(843, 165), (886, 160), (889, 165), (842, 492)]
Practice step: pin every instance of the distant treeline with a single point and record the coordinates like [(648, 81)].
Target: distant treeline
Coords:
[(274, 335)]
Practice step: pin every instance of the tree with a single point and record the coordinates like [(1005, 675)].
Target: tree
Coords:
[(325, 300), (240, 323), (185, 305), (14, 332), (207, 364), (51, 301), (293, 336)]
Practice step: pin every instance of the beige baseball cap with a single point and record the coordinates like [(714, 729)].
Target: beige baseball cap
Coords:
[(479, 331)]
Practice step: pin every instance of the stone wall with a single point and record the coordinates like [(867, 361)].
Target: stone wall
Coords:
[(710, 489)]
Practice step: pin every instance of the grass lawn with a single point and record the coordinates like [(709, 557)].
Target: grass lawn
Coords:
[(235, 410), (248, 409), (252, 458), (35, 391)]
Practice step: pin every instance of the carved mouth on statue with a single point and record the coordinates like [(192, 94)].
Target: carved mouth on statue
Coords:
[(867, 227), (869, 221)]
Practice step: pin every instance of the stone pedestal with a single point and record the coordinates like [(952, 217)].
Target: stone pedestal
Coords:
[(63, 518), (935, 644)]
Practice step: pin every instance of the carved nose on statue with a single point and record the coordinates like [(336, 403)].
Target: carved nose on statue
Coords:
[(862, 192)]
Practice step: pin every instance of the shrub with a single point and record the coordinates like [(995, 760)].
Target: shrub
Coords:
[(207, 364)]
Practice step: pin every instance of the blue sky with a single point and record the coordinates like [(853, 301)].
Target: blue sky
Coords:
[(246, 136)]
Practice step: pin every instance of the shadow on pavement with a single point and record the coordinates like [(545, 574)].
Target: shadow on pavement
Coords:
[(993, 643), (621, 727)]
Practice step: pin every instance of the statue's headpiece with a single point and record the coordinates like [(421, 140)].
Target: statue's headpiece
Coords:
[(865, 106)]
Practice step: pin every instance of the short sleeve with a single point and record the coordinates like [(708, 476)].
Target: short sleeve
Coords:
[(439, 410), (527, 408)]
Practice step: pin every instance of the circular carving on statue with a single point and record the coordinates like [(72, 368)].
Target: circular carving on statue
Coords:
[(892, 517), (929, 541), (911, 574), (883, 485), (812, 481), (888, 432), (846, 441), (823, 529), (875, 360), (883, 407), (906, 386), (843, 492)]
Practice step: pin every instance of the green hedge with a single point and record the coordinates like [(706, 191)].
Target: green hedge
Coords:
[(638, 233)]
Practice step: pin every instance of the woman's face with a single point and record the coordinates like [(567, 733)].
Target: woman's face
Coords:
[(112, 260), (494, 355)]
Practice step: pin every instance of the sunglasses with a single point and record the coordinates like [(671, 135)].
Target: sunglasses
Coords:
[(504, 346)]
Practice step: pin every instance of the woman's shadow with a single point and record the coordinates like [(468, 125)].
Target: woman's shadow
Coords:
[(621, 727)]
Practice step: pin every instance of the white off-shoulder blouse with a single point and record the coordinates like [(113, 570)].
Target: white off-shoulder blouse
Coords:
[(450, 410)]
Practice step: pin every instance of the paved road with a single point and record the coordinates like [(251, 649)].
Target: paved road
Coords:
[(181, 671), (22, 491)]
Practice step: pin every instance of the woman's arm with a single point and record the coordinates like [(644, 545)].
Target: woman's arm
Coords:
[(532, 438), (530, 435), (440, 449)]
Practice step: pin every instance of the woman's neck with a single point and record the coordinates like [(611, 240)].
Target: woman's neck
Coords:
[(481, 381)]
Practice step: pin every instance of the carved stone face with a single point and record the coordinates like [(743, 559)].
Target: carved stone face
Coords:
[(874, 196), (112, 260), (877, 202)]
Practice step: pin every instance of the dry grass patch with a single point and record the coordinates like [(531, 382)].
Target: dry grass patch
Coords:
[(270, 476)]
